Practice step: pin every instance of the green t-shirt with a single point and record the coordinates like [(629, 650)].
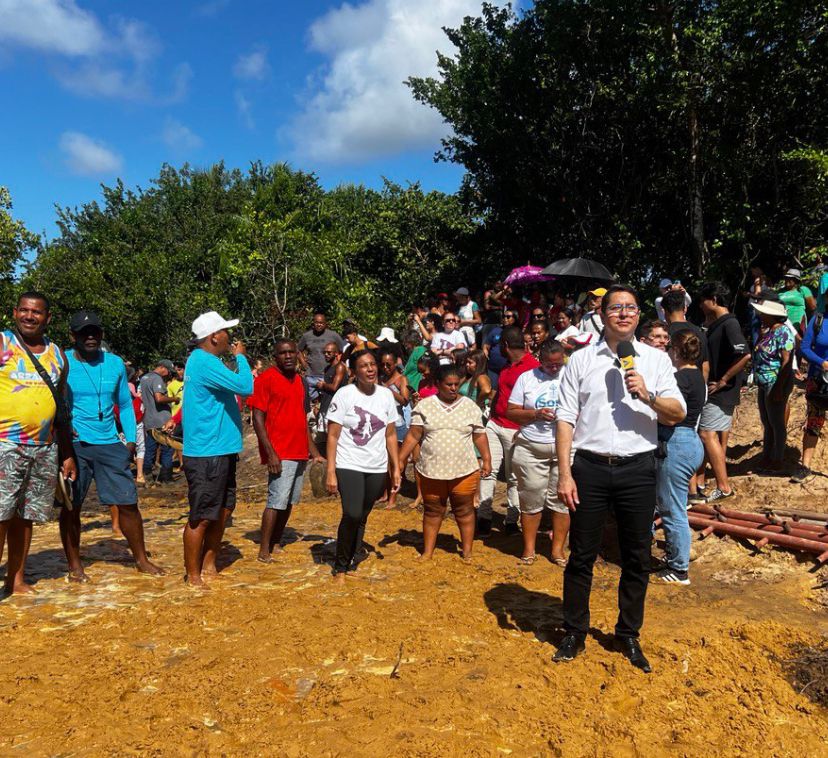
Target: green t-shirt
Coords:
[(410, 370), (794, 301)]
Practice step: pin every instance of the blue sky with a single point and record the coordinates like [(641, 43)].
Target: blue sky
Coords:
[(98, 90)]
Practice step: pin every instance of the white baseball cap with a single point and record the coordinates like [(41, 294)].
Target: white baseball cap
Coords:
[(210, 323)]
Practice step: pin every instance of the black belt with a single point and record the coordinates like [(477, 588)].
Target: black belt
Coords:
[(613, 460)]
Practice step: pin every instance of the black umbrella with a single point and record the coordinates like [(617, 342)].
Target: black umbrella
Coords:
[(580, 268)]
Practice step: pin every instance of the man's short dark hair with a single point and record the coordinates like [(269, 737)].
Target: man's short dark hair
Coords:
[(648, 327), (350, 329), (551, 347), (715, 291), (35, 295), (512, 336), (320, 312), (615, 288), (674, 302), (282, 341)]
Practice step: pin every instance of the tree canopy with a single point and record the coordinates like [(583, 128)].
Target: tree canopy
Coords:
[(267, 246), (658, 137)]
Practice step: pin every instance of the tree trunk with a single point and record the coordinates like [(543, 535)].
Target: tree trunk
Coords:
[(699, 246)]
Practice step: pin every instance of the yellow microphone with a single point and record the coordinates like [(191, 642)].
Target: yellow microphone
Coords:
[(626, 357)]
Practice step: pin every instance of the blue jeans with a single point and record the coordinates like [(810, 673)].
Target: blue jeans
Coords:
[(684, 456), (310, 384), (150, 446)]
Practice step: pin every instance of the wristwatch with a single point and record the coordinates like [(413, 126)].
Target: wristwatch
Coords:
[(652, 397)]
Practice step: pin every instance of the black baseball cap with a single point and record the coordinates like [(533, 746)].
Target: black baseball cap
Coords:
[(83, 319)]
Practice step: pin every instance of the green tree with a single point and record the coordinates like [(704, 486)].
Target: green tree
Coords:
[(15, 242), (650, 136)]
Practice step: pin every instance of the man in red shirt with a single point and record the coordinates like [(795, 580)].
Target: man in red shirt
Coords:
[(280, 407), (501, 432)]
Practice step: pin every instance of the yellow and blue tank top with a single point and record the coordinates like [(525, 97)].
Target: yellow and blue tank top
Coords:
[(27, 408)]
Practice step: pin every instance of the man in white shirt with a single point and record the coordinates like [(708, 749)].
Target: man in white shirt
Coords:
[(469, 314), (611, 418), (667, 285)]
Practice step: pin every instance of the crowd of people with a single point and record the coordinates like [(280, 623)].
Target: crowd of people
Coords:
[(586, 407)]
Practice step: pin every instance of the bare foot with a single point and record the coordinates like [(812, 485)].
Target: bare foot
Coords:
[(339, 578), (79, 576), (264, 558), (145, 567), (383, 499), (425, 556), (194, 581), (18, 588), (117, 533), (209, 571)]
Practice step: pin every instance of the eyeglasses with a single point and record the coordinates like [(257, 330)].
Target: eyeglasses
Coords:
[(616, 309), (451, 320), (508, 315)]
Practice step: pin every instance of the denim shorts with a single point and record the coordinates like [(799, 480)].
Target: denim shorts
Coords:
[(286, 488), (715, 419), (108, 465)]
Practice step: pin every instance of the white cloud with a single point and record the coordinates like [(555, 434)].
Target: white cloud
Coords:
[(211, 8), (51, 25), (244, 107), (88, 157), (362, 108), (252, 66), (180, 138), (117, 61)]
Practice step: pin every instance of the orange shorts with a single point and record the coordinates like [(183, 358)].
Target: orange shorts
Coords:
[(459, 492)]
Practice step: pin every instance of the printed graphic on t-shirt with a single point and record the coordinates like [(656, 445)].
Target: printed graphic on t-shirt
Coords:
[(368, 426), (548, 397)]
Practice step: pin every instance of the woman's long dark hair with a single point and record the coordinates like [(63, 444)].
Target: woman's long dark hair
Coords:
[(481, 366)]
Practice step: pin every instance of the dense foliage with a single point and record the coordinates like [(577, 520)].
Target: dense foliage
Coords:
[(267, 246), (685, 138)]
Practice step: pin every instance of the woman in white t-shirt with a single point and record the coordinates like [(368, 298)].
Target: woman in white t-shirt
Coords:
[(533, 404), (565, 330), (446, 341), (448, 426), (362, 450)]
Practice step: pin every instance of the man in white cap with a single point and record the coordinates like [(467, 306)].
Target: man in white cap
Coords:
[(212, 439), (469, 313), (665, 286)]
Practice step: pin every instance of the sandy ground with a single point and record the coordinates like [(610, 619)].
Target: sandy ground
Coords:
[(412, 659)]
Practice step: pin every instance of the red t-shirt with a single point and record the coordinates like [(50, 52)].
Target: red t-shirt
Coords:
[(283, 402), (505, 385)]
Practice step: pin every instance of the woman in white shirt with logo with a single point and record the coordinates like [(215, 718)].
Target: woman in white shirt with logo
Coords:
[(446, 341), (533, 404), (362, 450)]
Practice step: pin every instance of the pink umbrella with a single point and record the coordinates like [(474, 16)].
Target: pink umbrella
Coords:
[(527, 275)]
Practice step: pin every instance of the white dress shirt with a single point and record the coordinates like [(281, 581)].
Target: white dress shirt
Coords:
[(594, 399)]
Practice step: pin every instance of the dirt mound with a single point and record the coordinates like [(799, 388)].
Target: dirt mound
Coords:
[(808, 670)]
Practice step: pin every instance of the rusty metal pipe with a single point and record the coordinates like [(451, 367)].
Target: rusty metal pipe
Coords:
[(770, 528), (816, 531), (820, 549), (821, 518)]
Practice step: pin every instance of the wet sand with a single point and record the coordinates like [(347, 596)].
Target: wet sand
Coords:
[(441, 658)]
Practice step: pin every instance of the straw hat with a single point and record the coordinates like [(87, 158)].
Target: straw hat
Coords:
[(770, 308)]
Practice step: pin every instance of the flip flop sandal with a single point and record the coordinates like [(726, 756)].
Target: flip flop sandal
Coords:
[(559, 562), (527, 561)]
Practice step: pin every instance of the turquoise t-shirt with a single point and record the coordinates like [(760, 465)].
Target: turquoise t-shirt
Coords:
[(210, 413), (822, 293), (94, 389)]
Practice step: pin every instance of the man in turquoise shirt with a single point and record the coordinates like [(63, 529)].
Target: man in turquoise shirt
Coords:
[(212, 439), (97, 384)]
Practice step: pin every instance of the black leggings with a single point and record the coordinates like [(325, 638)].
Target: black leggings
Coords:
[(359, 491)]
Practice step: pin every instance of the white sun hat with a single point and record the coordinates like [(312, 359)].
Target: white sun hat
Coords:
[(210, 323), (386, 335), (770, 308)]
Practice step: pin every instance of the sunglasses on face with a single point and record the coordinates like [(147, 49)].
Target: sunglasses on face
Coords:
[(450, 321)]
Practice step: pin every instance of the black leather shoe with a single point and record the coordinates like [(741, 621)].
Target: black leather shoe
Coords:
[(631, 649), (569, 649)]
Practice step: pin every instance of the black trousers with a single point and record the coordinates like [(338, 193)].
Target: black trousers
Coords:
[(359, 492), (630, 491)]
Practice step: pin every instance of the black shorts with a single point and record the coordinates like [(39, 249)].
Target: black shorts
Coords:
[(212, 485)]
